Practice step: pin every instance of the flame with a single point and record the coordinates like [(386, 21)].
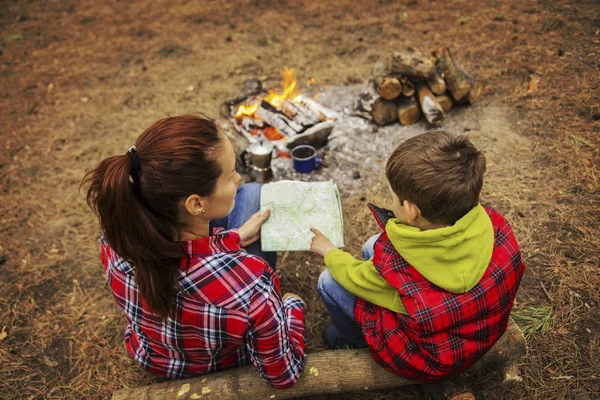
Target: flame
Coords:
[(246, 110), (290, 91)]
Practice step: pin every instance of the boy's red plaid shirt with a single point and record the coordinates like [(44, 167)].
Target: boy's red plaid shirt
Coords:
[(445, 333)]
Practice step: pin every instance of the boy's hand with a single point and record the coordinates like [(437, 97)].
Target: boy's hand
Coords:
[(250, 231), (320, 244)]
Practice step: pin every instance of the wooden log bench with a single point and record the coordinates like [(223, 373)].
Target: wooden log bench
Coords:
[(325, 372)]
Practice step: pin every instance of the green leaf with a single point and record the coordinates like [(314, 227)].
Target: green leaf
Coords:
[(581, 141), (12, 38)]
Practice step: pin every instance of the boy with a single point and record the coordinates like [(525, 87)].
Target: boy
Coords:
[(436, 288)]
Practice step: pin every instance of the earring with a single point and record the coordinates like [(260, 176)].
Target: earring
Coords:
[(203, 210)]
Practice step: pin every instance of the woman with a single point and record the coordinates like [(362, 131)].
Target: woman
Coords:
[(195, 300)]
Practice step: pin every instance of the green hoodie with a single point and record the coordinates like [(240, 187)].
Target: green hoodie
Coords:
[(453, 258)]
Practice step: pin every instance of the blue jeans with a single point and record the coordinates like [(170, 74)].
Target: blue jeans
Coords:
[(340, 303), (247, 202)]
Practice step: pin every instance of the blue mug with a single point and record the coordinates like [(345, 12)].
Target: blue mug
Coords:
[(305, 159)]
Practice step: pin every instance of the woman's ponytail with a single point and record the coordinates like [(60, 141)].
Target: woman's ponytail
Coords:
[(136, 200)]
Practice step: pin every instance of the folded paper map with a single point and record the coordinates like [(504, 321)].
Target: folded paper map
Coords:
[(295, 208)]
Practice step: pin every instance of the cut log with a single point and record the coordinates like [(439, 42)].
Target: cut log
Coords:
[(429, 106), (411, 63), (408, 89), (475, 90), (388, 86), (436, 84), (384, 111), (455, 79), (409, 111), (445, 102), (324, 372), (475, 86)]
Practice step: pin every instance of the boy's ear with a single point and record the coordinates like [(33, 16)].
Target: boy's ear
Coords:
[(412, 211), (194, 204)]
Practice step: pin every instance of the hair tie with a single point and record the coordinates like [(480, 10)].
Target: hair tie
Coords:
[(135, 161)]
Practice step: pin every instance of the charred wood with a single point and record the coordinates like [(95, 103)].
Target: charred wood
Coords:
[(278, 119)]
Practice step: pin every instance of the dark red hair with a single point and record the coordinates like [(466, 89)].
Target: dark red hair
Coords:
[(139, 208)]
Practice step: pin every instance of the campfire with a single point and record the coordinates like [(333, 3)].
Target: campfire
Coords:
[(265, 126), (287, 118)]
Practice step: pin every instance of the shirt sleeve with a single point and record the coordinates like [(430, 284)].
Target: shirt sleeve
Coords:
[(362, 279), (275, 339)]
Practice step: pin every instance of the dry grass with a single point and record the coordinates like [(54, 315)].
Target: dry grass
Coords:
[(74, 91)]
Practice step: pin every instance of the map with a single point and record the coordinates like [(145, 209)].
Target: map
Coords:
[(295, 208)]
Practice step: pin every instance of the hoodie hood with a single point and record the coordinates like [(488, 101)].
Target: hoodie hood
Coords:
[(453, 258)]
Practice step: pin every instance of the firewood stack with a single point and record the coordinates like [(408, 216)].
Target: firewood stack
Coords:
[(409, 84)]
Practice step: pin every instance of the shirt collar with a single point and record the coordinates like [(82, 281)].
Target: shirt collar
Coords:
[(220, 242)]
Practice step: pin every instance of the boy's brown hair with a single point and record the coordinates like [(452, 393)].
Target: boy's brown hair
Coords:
[(439, 172)]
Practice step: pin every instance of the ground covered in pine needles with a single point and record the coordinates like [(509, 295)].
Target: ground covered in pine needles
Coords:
[(79, 80)]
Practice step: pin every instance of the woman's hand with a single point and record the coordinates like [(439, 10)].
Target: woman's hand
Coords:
[(250, 231), (320, 244), (294, 295)]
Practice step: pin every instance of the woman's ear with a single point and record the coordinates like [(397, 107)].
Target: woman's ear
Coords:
[(194, 204), (412, 211)]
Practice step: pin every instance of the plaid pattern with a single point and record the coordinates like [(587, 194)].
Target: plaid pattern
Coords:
[(445, 333), (228, 313)]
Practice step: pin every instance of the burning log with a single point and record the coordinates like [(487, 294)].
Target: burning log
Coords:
[(455, 79), (436, 84), (409, 111), (303, 115), (388, 86), (431, 108), (277, 119), (315, 107), (412, 63), (445, 102), (251, 87)]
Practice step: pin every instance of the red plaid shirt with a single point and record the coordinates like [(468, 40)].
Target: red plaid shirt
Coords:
[(444, 333), (229, 312)]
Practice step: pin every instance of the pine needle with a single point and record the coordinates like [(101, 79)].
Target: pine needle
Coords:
[(533, 319)]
